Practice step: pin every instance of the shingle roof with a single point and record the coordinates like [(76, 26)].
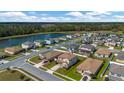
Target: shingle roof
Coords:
[(52, 54), (117, 69), (120, 56), (90, 64), (13, 49), (88, 46), (103, 51), (68, 56)]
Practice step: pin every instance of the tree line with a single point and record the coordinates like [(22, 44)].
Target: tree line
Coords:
[(11, 29)]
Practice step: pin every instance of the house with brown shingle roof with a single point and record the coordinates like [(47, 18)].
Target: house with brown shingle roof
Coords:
[(67, 59), (90, 66), (103, 53), (50, 56), (13, 50)]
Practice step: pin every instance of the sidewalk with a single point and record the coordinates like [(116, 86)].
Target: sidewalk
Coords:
[(39, 64)]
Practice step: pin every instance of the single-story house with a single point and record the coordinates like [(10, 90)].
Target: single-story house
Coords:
[(118, 43), (38, 43), (62, 39), (103, 53), (13, 50), (120, 57), (122, 44), (49, 41), (90, 66), (2, 55), (86, 49), (86, 40), (99, 42), (69, 36), (67, 59), (72, 47), (56, 40), (50, 56), (76, 35), (27, 45), (116, 72), (110, 44)]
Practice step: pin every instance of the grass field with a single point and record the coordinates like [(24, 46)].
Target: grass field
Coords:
[(66, 79), (50, 64), (12, 57), (13, 75), (105, 65), (35, 59)]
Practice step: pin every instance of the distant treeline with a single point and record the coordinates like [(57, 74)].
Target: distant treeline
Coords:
[(10, 29)]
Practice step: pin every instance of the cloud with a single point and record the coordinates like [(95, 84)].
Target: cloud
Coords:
[(12, 14), (79, 16), (17, 16), (48, 19), (118, 17), (98, 13), (75, 14), (85, 16)]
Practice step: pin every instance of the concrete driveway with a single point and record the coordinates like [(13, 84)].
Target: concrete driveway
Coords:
[(56, 67), (53, 69), (39, 65)]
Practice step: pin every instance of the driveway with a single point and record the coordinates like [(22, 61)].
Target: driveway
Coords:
[(56, 67), (39, 64), (53, 69)]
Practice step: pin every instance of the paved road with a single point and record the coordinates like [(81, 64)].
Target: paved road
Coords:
[(21, 63), (39, 73)]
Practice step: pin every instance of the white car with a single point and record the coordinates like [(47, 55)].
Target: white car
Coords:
[(3, 61), (27, 54)]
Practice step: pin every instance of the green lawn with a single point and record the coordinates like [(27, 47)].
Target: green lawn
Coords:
[(103, 46), (66, 79), (1, 50), (36, 59), (105, 65), (72, 72), (118, 47), (39, 48), (12, 57), (13, 75), (50, 64)]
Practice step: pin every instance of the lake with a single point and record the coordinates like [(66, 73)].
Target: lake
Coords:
[(20, 40)]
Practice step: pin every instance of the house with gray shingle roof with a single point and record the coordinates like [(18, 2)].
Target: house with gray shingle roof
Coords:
[(116, 72), (86, 49), (120, 57), (27, 45)]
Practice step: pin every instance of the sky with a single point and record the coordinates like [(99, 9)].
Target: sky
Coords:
[(62, 16)]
